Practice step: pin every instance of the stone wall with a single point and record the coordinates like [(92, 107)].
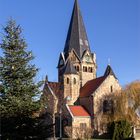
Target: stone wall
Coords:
[(77, 131), (78, 120), (87, 76), (71, 89)]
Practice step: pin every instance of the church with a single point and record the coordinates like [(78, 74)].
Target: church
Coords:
[(78, 98)]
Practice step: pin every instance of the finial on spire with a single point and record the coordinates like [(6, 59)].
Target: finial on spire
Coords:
[(109, 61), (46, 80), (76, 1)]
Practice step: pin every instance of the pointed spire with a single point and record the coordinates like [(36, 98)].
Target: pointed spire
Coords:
[(76, 2), (76, 37), (109, 71)]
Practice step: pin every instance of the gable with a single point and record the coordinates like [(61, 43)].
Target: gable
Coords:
[(109, 71), (87, 57), (73, 56), (109, 85)]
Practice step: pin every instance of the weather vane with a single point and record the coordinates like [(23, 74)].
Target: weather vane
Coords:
[(109, 61)]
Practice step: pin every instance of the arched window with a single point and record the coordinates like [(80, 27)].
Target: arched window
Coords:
[(84, 69), (68, 80), (77, 68), (91, 70), (74, 81), (108, 106)]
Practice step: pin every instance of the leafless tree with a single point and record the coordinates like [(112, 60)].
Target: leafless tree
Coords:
[(125, 104)]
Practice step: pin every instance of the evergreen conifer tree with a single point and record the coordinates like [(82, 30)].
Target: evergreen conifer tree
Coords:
[(17, 74)]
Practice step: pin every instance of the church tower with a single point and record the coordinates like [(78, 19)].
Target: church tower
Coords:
[(71, 84), (77, 50)]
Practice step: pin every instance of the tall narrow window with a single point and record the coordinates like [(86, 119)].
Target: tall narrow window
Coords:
[(105, 106), (111, 89), (68, 80), (77, 68), (74, 81), (85, 69), (91, 70)]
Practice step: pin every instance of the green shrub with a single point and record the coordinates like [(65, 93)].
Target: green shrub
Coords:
[(120, 130)]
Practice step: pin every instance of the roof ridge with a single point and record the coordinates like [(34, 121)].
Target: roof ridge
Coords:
[(53, 82)]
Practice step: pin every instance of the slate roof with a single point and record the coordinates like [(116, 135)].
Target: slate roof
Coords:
[(78, 111), (76, 33), (91, 86), (109, 71), (70, 68)]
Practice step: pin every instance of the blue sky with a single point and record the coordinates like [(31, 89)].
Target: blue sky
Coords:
[(113, 28)]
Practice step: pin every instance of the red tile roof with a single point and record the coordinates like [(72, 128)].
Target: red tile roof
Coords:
[(78, 111), (55, 86), (91, 86)]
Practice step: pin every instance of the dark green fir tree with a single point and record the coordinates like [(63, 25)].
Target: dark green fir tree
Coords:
[(17, 74)]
